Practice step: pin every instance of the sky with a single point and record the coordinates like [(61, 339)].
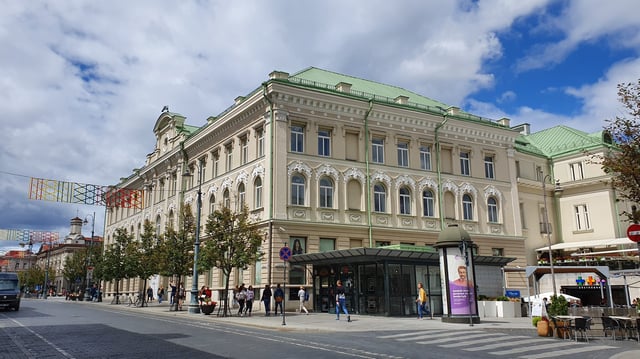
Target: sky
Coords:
[(83, 82)]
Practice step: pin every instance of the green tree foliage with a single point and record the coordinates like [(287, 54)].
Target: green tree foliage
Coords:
[(174, 252), (119, 259), (231, 242), (74, 268), (32, 277), (148, 255), (623, 163)]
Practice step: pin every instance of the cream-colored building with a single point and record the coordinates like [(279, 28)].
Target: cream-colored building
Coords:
[(333, 162)]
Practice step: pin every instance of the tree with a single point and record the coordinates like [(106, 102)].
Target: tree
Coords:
[(119, 259), (623, 162), (147, 254), (74, 268), (174, 250), (231, 242)]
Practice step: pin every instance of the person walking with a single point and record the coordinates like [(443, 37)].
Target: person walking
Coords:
[(241, 297), (302, 297), (160, 294), (181, 296), (341, 299), (278, 296), (150, 294), (266, 299), (172, 298), (421, 301), (249, 301)]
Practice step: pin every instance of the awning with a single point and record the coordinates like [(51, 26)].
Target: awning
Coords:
[(596, 243), (538, 272)]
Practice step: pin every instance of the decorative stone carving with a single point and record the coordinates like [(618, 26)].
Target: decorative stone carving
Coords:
[(381, 177), (258, 171), (242, 177), (327, 216), (299, 167), (382, 220), (299, 213), (427, 183), (430, 224), (188, 199), (404, 180), (327, 170), (448, 185), (354, 173), (407, 222), (491, 191), (226, 184), (468, 188), (355, 218), (213, 189)]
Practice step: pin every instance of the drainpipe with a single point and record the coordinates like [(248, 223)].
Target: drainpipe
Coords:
[(270, 214), (439, 168), (368, 178)]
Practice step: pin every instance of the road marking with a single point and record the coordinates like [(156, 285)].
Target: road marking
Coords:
[(57, 348), (437, 335), (467, 343), (392, 336), (457, 339), (500, 345), (522, 349), (549, 354)]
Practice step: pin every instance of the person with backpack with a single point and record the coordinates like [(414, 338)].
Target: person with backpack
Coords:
[(278, 296), (341, 300), (266, 298), (303, 297)]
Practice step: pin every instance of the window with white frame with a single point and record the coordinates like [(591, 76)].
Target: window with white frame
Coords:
[(297, 138), (576, 170), (297, 190), (403, 154), (244, 150), (226, 199), (324, 142), (260, 142), (582, 217), (212, 204), (425, 157), (489, 167), (242, 195), (492, 210), (326, 193), (229, 150), (257, 185), (427, 203), (497, 252), (377, 150), (465, 168), (405, 200), (216, 164), (467, 207), (379, 198)]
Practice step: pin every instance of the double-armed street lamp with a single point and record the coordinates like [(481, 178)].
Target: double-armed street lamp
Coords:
[(87, 261), (193, 304)]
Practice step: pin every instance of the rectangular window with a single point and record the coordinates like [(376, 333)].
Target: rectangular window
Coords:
[(576, 171), (260, 143), (382, 243), (488, 167), (297, 138), (425, 157), (377, 150), (229, 158), (351, 146), (216, 164), (403, 154), (465, 170), (497, 252), (324, 143), (244, 150), (327, 244), (522, 216), (538, 173), (582, 217)]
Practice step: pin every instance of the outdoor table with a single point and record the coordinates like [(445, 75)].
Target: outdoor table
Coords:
[(569, 319)]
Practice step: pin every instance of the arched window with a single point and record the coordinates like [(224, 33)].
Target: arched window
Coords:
[(467, 207), (170, 223), (257, 185), (379, 198), (405, 200), (297, 190), (158, 225), (326, 193), (492, 210), (241, 196), (226, 199), (427, 203), (212, 204)]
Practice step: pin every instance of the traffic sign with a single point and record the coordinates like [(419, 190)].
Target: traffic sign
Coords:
[(285, 253), (633, 232)]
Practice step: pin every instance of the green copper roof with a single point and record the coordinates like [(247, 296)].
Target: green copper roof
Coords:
[(560, 140)]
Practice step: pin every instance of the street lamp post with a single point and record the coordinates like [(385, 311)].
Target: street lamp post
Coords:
[(87, 261), (193, 304), (547, 230), (46, 273)]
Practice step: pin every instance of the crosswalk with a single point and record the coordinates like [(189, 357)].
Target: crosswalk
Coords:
[(498, 344)]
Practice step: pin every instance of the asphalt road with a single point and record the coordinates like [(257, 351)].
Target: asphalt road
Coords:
[(59, 329)]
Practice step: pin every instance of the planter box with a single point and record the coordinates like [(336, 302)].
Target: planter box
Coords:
[(489, 306), (207, 309), (508, 309)]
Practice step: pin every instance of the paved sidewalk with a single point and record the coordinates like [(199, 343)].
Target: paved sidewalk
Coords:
[(325, 321)]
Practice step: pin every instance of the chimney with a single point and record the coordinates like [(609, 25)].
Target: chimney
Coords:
[(239, 99), (343, 87), (278, 75), (504, 122), (402, 100)]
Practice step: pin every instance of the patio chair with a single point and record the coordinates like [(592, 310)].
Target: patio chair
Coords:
[(581, 325), (561, 327), (610, 325)]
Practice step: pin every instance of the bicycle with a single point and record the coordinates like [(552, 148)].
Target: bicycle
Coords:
[(137, 302)]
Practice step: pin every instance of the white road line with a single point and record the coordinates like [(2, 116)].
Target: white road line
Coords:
[(438, 335), (523, 349), (458, 339), (501, 345), (466, 343), (549, 354), (410, 333), (57, 348)]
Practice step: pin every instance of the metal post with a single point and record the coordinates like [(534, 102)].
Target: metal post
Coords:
[(284, 290), (465, 248), (546, 230), (46, 272), (87, 262), (193, 304)]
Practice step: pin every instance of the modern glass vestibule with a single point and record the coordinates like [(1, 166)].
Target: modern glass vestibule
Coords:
[(377, 281)]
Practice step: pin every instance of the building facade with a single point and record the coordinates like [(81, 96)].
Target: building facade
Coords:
[(328, 162)]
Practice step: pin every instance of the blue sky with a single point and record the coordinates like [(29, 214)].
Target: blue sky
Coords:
[(82, 82)]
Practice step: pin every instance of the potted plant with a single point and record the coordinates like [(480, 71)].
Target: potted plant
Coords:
[(207, 306), (558, 306), (542, 325)]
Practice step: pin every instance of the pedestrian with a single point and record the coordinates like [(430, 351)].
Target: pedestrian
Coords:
[(421, 301), (266, 299), (241, 297), (160, 294), (172, 298), (302, 296), (201, 294), (278, 296), (341, 302), (249, 303), (181, 296), (150, 294)]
